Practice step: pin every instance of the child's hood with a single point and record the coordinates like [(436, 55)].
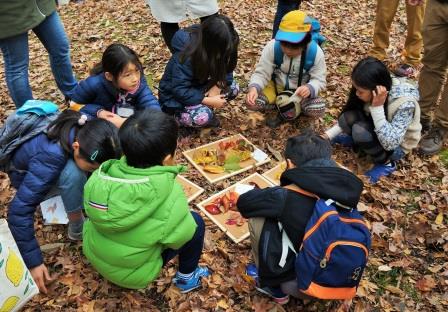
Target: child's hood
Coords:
[(403, 87), (118, 197), (181, 38)]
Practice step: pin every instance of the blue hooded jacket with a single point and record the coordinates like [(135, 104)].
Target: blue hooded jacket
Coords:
[(178, 88), (99, 93), (37, 165)]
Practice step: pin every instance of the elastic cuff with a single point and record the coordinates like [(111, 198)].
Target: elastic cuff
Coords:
[(98, 113), (378, 116), (312, 90), (256, 86)]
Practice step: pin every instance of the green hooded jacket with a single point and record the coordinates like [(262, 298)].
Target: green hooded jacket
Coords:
[(19, 16), (134, 214)]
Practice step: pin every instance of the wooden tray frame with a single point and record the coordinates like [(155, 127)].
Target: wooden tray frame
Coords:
[(213, 177), (270, 174), (258, 178), (197, 189)]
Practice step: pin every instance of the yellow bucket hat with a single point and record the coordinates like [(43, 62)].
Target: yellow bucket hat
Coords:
[(294, 27)]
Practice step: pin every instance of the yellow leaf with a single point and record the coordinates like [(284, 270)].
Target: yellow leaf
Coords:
[(223, 304), (439, 219)]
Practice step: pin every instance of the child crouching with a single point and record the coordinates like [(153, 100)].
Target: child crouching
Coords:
[(138, 214)]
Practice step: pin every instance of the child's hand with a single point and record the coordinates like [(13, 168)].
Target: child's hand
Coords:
[(40, 275), (104, 114), (303, 91), (379, 96), (117, 120), (111, 117), (215, 90), (251, 96), (216, 101)]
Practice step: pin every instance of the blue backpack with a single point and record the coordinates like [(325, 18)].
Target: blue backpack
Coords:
[(30, 120), (334, 251), (316, 40)]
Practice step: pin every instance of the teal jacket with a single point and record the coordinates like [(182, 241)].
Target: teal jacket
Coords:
[(19, 16), (134, 214)]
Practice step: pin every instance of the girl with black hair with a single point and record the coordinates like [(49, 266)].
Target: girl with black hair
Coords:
[(198, 78), (381, 117), (116, 88), (54, 163)]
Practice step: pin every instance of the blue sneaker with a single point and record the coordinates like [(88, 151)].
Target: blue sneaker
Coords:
[(187, 285), (380, 170), (343, 139), (274, 292)]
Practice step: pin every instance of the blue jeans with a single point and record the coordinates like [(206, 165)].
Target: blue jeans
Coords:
[(190, 253), (70, 186), (16, 57), (283, 7)]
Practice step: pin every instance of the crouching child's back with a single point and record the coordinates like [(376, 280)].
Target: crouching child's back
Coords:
[(138, 214)]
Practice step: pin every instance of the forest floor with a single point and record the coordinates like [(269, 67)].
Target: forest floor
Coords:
[(407, 212)]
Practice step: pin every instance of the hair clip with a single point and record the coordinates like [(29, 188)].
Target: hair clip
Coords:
[(94, 155), (82, 120)]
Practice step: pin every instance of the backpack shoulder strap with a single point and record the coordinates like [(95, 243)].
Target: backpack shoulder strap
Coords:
[(299, 190), (278, 54), (311, 52)]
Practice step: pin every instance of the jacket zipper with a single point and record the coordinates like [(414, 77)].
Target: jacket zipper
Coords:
[(38, 9)]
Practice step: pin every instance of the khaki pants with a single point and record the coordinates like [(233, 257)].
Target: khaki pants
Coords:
[(435, 64), (385, 12), (255, 227)]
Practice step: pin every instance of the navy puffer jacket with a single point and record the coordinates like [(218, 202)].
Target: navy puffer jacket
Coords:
[(178, 88), (99, 93), (37, 165)]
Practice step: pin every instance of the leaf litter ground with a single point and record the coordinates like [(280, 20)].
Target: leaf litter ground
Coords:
[(408, 267)]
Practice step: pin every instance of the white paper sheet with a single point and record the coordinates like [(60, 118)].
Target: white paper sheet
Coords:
[(259, 155), (53, 211), (243, 188)]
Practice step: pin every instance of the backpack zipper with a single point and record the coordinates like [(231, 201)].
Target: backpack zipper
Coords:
[(323, 262), (325, 216)]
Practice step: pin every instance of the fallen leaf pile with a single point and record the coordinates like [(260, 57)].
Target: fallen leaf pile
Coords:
[(407, 212)]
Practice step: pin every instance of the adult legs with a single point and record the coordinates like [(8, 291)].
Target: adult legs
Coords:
[(52, 35), (433, 76), (414, 43), (435, 64), (168, 31), (283, 7), (16, 58), (385, 12)]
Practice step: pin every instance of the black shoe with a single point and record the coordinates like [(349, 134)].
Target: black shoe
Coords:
[(275, 122)]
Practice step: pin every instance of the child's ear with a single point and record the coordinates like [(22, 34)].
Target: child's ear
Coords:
[(289, 164), (168, 160), (109, 76)]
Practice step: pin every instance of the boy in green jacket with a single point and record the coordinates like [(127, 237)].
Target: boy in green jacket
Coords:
[(138, 214)]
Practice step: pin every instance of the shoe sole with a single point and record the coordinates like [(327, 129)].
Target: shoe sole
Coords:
[(280, 301)]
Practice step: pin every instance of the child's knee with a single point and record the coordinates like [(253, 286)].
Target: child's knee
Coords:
[(199, 221), (71, 175), (203, 117), (361, 132)]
